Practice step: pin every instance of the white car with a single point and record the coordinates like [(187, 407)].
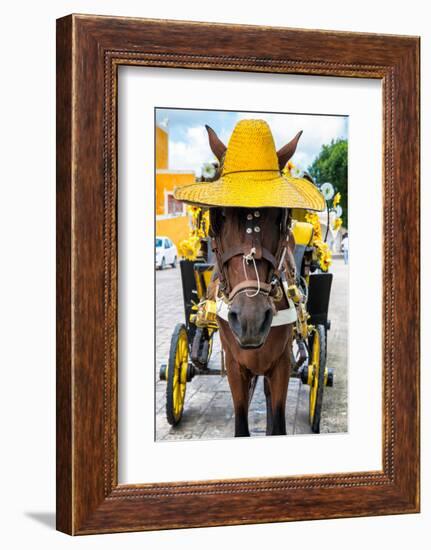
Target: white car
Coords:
[(166, 253)]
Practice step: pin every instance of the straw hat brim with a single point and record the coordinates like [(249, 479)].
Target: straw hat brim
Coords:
[(253, 190)]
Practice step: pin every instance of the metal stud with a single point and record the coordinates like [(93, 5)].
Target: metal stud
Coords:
[(257, 214), (249, 230), (249, 216), (257, 229)]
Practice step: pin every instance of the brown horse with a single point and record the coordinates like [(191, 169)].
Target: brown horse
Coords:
[(251, 267)]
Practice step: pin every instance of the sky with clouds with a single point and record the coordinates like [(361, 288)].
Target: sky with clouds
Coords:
[(188, 138)]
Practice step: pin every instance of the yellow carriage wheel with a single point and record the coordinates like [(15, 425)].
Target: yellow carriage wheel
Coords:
[(176, 375), (317, 375)]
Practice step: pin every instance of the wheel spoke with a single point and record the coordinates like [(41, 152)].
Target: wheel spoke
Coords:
[(177, 374), (315, 378)]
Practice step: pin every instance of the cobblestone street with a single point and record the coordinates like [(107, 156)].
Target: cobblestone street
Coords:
[(208, 410)]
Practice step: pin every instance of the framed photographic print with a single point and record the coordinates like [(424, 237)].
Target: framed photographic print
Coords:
[(237, 274)]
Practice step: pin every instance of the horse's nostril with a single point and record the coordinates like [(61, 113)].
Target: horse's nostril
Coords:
[(234, 321), (267, 320)]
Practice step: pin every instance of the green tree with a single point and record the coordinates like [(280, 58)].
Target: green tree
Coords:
[(331, 165)]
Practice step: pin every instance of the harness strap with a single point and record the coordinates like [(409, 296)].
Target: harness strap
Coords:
[(265, 288), (231, 253), (240, 250), (281, 255), (216, 248), (266, 254)]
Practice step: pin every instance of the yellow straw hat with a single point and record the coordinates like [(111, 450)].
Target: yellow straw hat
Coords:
[(251, 176)]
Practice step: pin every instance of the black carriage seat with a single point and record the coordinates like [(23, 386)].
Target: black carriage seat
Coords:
[(303, 234)]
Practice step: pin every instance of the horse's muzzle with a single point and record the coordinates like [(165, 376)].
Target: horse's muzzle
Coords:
[(250, 320)]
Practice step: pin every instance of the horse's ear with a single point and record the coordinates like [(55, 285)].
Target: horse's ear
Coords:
[(216, 144), (286, 153), (307, 176)]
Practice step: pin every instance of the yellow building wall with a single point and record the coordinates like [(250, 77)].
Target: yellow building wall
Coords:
[(177, 228), (168, 181), (161, 149)]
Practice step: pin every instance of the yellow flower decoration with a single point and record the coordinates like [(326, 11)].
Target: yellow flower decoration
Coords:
[(336, 200), (292, 170), (322, 254), (337, 223), (313, 218), (288, 168), (190, 248)]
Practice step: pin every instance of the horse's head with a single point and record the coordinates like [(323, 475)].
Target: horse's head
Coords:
[(251, 307), (249, 248)]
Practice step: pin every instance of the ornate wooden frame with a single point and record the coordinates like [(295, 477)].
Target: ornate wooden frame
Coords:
[(89, 51)]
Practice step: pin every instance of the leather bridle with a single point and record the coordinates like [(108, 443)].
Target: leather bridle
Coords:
[(251, 251)]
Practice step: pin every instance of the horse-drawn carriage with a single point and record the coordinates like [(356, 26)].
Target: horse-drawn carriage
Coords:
[(192, 340), (306, 294)]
